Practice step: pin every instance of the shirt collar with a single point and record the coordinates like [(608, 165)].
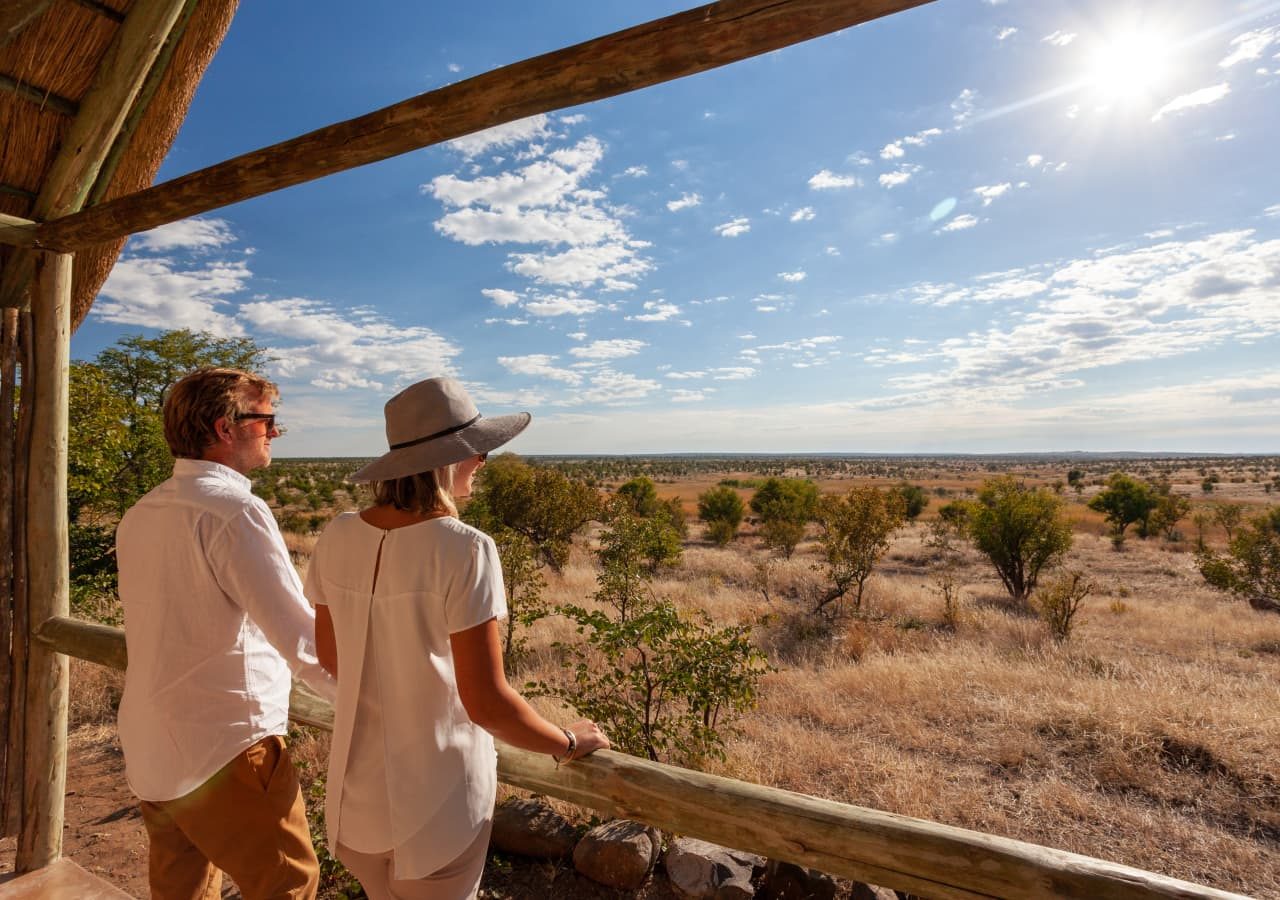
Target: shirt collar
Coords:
[(192, 468)]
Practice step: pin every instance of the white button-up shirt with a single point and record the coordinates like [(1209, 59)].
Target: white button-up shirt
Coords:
[(215, 620)]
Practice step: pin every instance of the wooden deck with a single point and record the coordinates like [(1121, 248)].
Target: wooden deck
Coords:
[(62, 880)]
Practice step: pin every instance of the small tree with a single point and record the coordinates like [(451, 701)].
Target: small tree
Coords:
[(656, 540), (642, 496), (855, 534), (1250, 568), (914, 499), (1124, 501), (524, 584), (721, 509), (1170, 509), (664, 684), (1228, 516), (539, 502), (1021, 530), (785, 506), (1059, 601)]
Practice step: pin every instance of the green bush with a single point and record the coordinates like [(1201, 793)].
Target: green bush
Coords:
[(785, 506), (721, 509), (1021, 530)]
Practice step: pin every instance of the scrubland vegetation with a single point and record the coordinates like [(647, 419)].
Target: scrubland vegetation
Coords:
[(1010, 665)]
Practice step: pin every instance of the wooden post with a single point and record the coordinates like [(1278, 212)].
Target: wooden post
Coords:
[(8, 372), (48, 562)]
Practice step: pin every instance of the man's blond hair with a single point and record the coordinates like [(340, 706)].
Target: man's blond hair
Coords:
[(195, 403)]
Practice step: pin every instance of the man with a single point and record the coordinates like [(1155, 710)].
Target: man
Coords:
[(215, 620)]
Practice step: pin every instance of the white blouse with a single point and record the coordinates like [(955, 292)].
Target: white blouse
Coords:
[(409, 772)]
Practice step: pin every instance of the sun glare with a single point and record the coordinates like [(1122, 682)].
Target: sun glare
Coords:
[(1129, 65)]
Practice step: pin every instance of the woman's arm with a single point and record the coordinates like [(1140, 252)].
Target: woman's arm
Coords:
[(326, 643), (496, 706)]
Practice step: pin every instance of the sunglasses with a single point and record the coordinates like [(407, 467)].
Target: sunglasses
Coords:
[(269, 418), (482, 456)]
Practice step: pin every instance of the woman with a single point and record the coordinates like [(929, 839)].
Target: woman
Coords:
[(407, 606)]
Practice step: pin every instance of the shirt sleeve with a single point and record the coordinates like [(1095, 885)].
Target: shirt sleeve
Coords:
[(252, 566), (478, 594)]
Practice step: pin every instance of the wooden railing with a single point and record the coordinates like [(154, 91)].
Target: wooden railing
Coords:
[(915, 855)]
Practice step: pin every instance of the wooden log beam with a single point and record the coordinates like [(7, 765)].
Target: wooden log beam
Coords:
[(16, 231), (914, 855), (10, 649), (45, 758), (41, 98), (662, 50), (16, 15), (102, 114)]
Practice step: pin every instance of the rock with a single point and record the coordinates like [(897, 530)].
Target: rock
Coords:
[(860, 891), (700, 869), (619, 854), (532, 828), (787, 881)]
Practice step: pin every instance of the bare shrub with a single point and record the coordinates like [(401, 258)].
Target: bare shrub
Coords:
[(1058, 602)]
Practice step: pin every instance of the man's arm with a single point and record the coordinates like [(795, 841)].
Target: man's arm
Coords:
[(252, 565)]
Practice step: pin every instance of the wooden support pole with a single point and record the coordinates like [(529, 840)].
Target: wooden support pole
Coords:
[(15, 746), (8, 425), (915, 855), (48, 563), (683, 44)]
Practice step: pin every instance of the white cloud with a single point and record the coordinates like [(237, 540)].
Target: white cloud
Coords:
[(888, 237), (793, 277), (454, 68), (157, 292), (892, 151), (803, 214), (1250, 45), (732, 373), (189, 234), (685, 202), (962, 108), (517, 132), (616, 348), (1272, 211), (635, 172), (539, 365), (1006, 33), (960, 223), (611, 265), (343, 349), (573, 119), (734, 227), (562, 306), (1059, 38), (501, 296), (686, 376), (1202, 97), (656, 311), (687, 396), (990, 192), (899, 176), (826, 180), (610, 387), (496, 321)]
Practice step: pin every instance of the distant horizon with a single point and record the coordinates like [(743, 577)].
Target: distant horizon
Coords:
[(731, 454)]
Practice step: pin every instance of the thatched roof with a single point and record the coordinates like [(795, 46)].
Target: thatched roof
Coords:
[(50, 53)]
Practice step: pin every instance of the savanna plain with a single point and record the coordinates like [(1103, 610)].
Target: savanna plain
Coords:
[(1147, 735)]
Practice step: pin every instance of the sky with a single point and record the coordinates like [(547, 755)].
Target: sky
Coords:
[(976, 226)]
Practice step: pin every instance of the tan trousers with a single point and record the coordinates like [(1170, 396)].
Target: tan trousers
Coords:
[(459, 880), (247, 820)]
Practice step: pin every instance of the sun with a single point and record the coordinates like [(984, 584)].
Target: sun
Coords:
[(1128, 65)]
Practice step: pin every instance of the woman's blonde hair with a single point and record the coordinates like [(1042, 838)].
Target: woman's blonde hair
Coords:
[(427, 493)]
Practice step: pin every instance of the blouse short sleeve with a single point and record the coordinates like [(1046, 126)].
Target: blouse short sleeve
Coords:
[(313, 587), (478, 593)]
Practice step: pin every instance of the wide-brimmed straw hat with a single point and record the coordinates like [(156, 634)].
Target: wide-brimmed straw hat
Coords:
[(434, 423)]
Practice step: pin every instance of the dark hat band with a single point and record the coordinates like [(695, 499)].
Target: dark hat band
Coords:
[(438, 434)]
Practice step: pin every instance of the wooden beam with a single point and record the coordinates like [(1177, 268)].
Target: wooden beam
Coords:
[(48, 554), (39, 97), (16, 231), (16, 15), (102, 114), (913, 855), (683, 44), (17, 192), (102, 9)]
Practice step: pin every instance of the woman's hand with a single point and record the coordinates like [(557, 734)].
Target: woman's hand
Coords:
[(590, 738)]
